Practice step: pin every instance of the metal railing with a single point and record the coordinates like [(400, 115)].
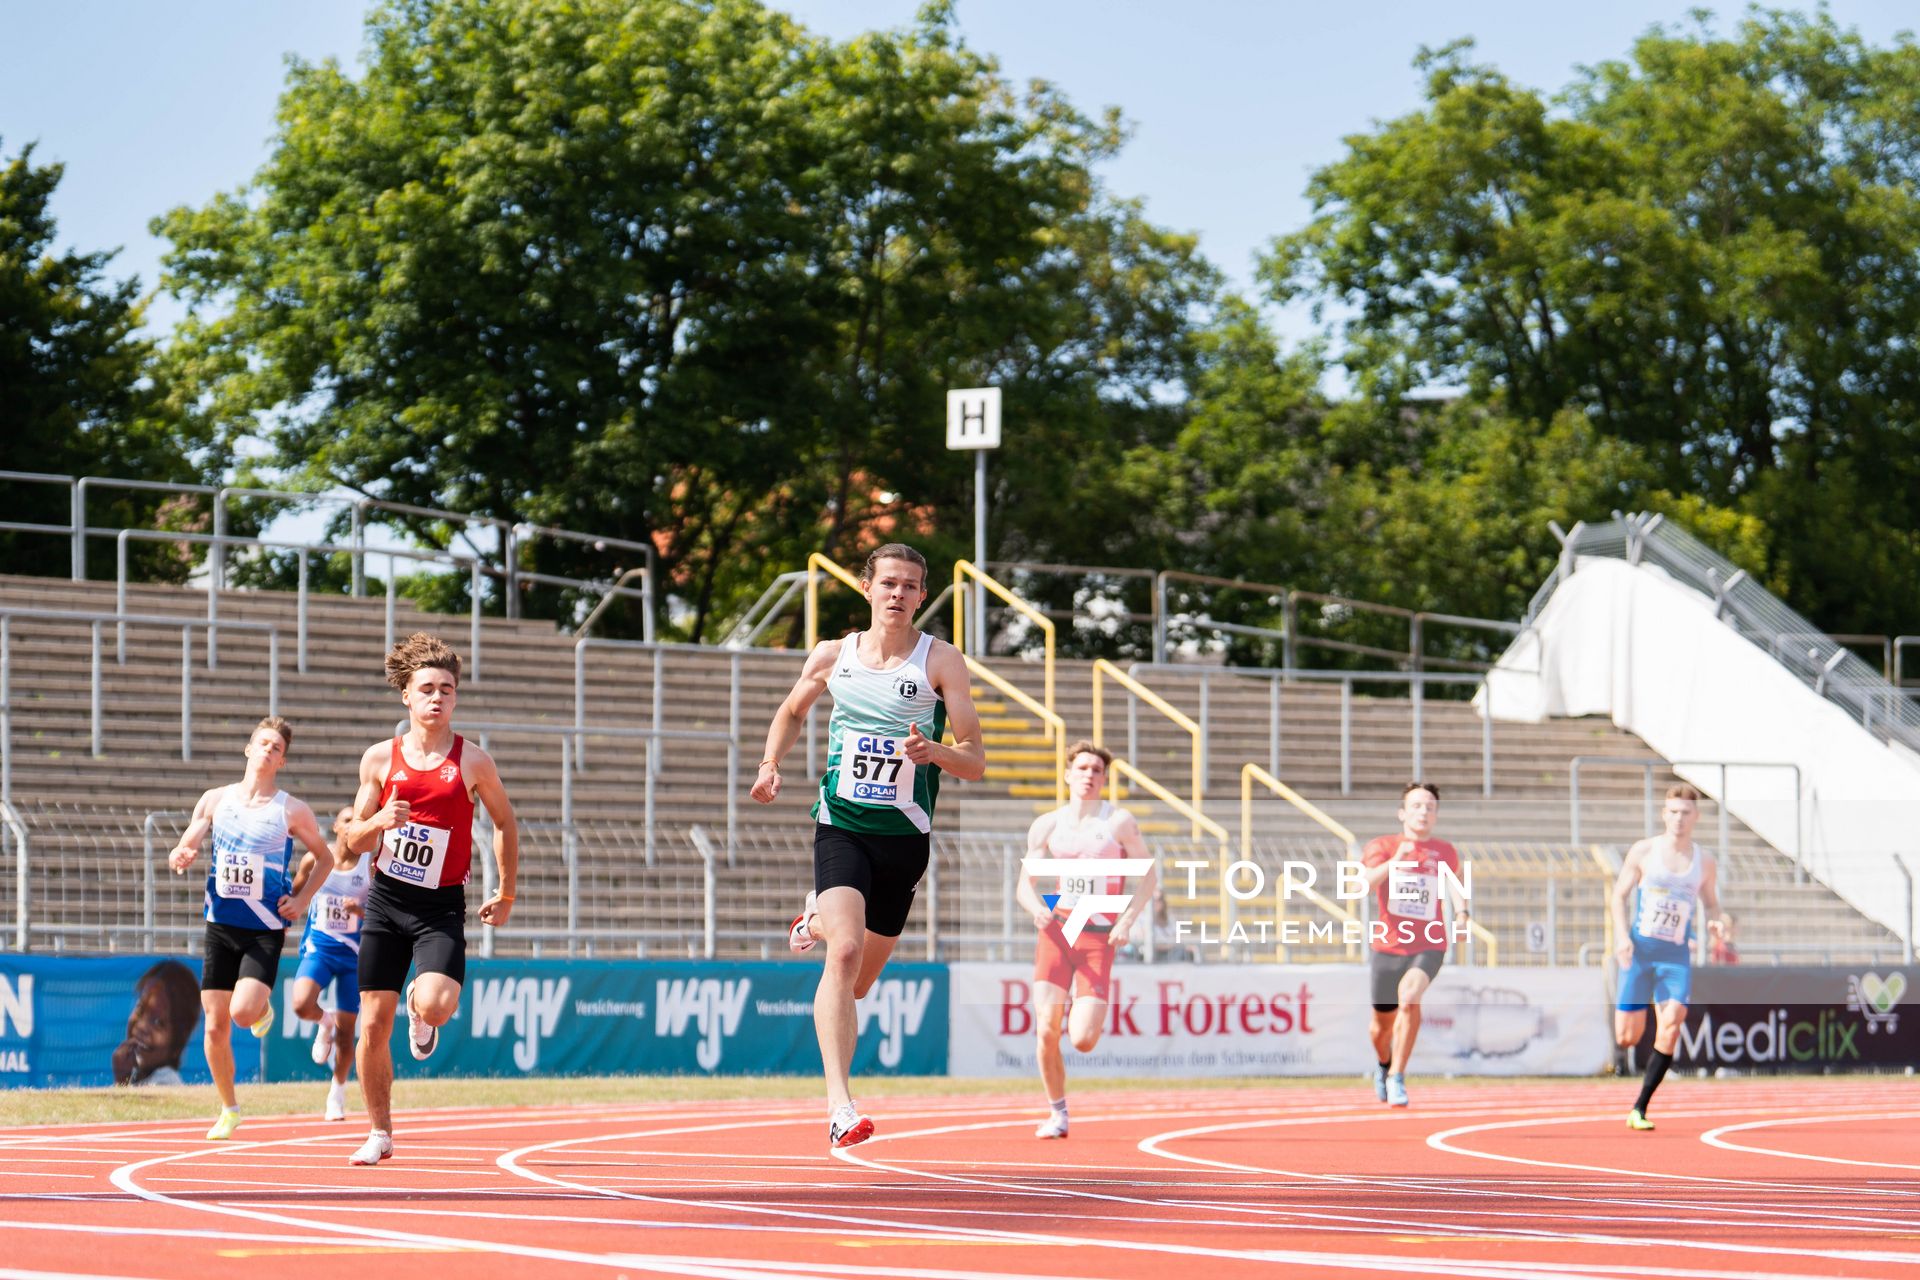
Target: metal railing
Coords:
[(962, 571), (1249, 775), (510, 537), (95, 621), (1648, 767), (1276, 676), (1197, 759)]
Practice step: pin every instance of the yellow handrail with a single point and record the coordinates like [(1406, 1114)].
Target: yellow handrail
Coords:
[(964, 569), (1483, 934), (1251, 773), (1201, 822), (1056, 727), (1101, 667), (815, 564)]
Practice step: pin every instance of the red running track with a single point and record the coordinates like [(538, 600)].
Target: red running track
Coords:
[(1752, 1178)]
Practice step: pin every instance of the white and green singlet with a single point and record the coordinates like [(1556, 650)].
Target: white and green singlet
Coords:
[(870, 785)]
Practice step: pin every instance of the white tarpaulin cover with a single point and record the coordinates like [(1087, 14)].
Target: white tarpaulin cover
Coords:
[(1628, 642)]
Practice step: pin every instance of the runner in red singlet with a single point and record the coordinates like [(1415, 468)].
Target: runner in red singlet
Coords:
[(415, 812), (1410, 932), (1077, 973)]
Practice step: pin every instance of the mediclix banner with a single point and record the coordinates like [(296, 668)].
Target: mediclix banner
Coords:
[(585, 1017)]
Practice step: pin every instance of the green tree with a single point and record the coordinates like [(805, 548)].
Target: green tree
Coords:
[(1711, 251), (675, 272), (84, 391)]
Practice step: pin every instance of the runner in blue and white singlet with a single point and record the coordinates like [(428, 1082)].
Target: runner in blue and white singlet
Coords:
[(330, 957), (1664, 883), (249, 899)]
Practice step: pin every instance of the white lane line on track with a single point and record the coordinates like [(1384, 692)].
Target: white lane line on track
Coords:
[(173, 1233), (1396, 1263), (15, 1273), (1714, 1138)]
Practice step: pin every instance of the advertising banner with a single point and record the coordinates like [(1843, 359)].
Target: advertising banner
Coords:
[(585, 1017), (1766, 1018), (1252, 1020), (109, 1020)]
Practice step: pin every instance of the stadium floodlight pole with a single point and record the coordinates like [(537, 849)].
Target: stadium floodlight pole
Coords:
[(973, 422)]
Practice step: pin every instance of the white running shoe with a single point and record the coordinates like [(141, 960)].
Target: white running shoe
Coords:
[(337, 1102), (1054, 1126), (1379, 1082), (799, 937), (323, 1041), (848, 1126), (422, 1039), (376, 1148), (1396, 1091)]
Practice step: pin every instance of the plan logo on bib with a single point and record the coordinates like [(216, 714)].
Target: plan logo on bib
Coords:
[(1088, 905)]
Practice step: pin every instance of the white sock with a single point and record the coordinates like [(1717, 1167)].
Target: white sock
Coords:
[(1059, 1107)]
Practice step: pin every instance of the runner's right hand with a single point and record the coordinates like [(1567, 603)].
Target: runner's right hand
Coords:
[(1042, 920), (396, 812), (182, 857), (1623, 954), (766, 787)]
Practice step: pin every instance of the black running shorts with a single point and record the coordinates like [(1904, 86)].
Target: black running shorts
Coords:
[(885, 869), (407, 927), (1388, 969), (233, 953)]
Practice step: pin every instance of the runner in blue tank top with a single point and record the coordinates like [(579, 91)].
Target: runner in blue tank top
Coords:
[(1665, 878), (250, 899), (894, 690), (330, 956)]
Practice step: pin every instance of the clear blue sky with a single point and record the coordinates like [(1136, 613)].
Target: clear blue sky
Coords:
[(1234, 102)]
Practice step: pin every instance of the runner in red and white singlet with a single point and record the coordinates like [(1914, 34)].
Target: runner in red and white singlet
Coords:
[(415, 814), (1409, 934), (1070, 979)]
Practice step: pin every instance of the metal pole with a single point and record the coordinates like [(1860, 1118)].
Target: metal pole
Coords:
[(95, 694), (1419, 687), (1486, 739), (646, 602), (980, 550), (359, 555), (217, 552), (1573, 817), (20, 888), (510, 555), (302, 607), (1160, 616), (273, 673), (1206, 733), (933, 897), (213, 617), (1346, 737), (146, 877), (6, 710), (186, 693), (733, 756), (1273, 730), (79, 538), (653, 762), (580, 703), (568, 842), (1290, 624), (120, 595), (1906, 938), (473, 640)]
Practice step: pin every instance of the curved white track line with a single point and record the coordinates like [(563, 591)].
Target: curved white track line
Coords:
[(1713, 1139)]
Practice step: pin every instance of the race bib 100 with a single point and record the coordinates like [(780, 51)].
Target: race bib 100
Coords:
[(416, 853), (1663, 914), (240, 873), (875, 770)]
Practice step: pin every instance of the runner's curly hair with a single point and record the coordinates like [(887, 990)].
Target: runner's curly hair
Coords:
[(417, 652)]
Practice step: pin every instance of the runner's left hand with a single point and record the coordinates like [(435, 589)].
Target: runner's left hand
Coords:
[(495, 910), (919, 749), (288, 909)]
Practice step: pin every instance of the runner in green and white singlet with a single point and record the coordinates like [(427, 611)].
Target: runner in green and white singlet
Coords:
[(895, 692), (870, 784)]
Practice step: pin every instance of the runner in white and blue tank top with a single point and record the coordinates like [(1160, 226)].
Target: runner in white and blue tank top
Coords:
[(1664, 881), (249, 899), (896, 692), (330, 956)]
